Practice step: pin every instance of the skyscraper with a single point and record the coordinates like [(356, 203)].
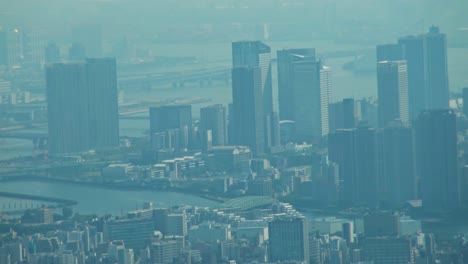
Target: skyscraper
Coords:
[(392, 92), (356, 152), (436, 67), (254, 54), (82, 106), (214, 118), (68, 106), (310, 87), (247, 110), (436, 153), (413, 53), (3, 47), (101, 75), (426, 56), (398, 179), (289, 239), (286, 58)]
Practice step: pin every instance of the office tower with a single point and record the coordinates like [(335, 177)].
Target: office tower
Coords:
[(388, 250), (413, 53), (436, 69), (68, 106), (436, 157), (77, 52), (289, 239), (389, 52), (133, 232), (256, 54), (172, 117), (310, 84), (398, 179), (91, 38), (103, 103), (356, 153), (465, 101), (392, 85), (426, 57), (214, 118), (286, 58), (176, 225), (247, 110), (52, 53), (82, 106)]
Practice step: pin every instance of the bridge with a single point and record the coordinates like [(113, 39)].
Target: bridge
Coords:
[(175, 78)]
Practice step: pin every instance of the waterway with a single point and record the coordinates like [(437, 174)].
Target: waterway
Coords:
[(100, 201)]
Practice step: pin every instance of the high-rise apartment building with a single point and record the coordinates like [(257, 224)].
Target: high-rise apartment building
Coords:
[(436, 157), (288, 239), (101, 75), (465, 101), (392, 83), (68, 108), (214, 118), (286, 58), (82, 106)]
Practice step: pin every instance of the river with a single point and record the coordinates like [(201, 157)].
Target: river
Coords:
[(100, 201)]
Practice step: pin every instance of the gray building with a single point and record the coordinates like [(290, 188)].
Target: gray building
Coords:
[(247, 111), (392, 84), (68, 106), (436, 157), (172, 117), (288, 239), (465, 101), (398, 178), (286, 58), (134, 232), (214, 118), (82, 106), (103, 103), (356, 153), (426, 57), (310, 83), (388, 250), (256, 54)]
